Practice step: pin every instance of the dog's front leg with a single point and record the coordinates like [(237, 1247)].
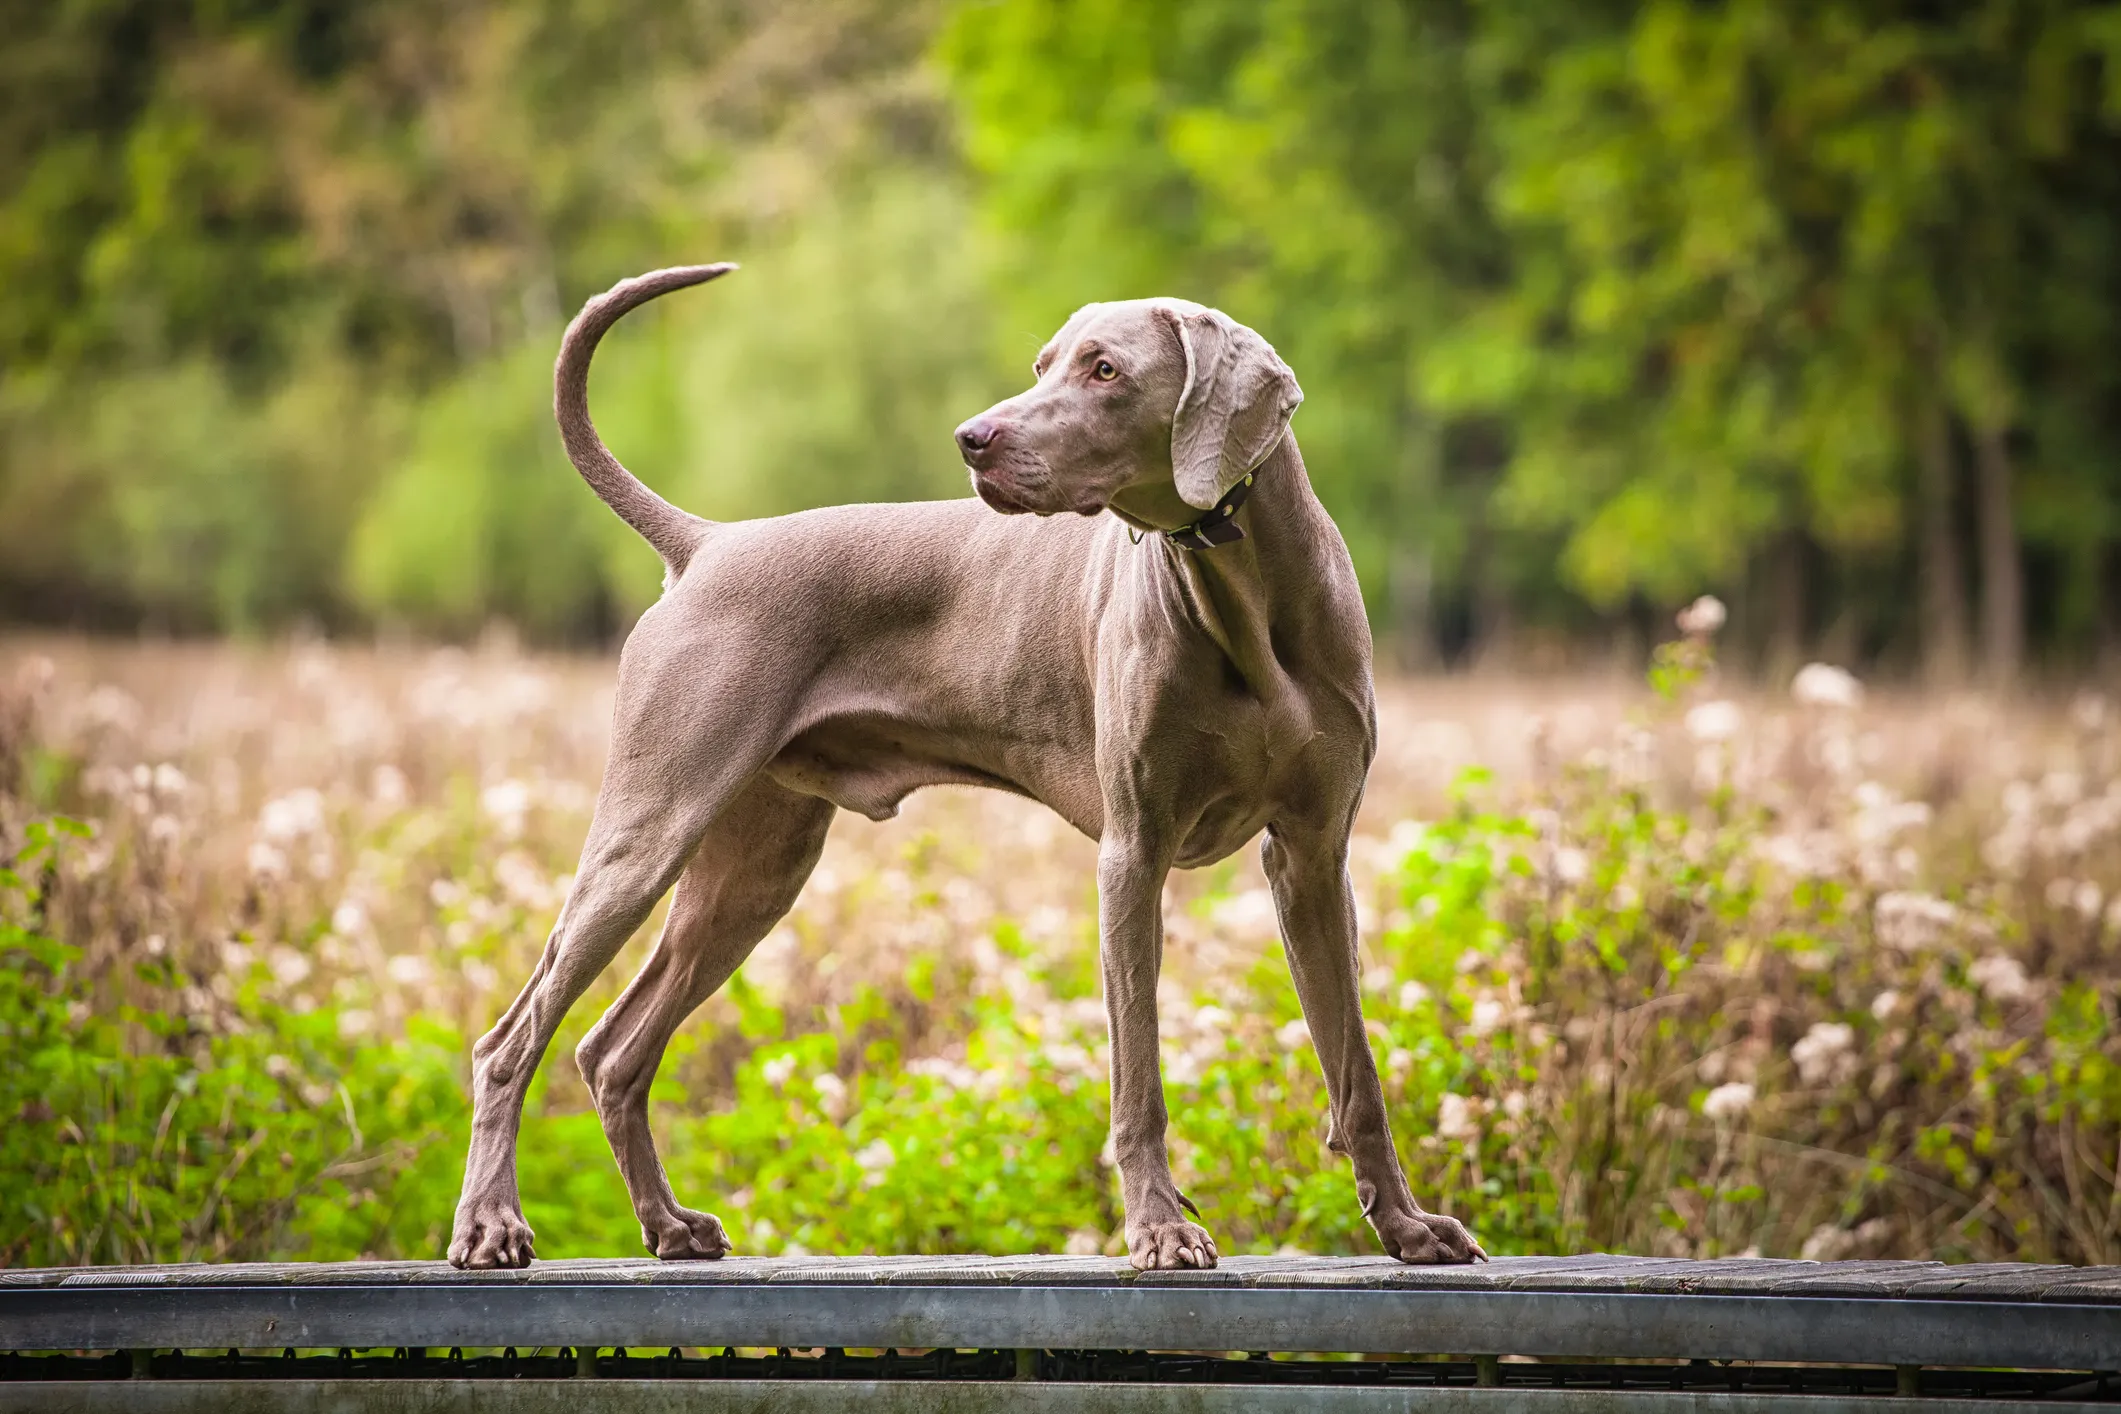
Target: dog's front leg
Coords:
[(1309, 874), (1130, 894)]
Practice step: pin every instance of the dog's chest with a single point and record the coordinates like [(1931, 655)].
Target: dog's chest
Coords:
[(1244, 772)]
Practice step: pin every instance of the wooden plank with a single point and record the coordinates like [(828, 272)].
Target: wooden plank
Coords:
[(1591, 1272)]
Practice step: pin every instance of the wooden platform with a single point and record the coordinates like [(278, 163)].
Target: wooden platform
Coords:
[(1041, 1317), (1737, 1276)]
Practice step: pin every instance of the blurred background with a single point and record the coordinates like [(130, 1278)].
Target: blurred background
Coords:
[(1597, 305)]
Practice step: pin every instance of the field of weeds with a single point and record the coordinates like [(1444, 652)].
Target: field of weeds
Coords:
[(1695, 972)]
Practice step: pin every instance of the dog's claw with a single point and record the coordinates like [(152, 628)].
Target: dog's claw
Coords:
[(1429, 1239), (1172, 1246), (489, 1236)]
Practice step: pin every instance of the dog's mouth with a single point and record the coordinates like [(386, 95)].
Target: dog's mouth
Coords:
[(996, 498), (1019, 485), (1030, 490)]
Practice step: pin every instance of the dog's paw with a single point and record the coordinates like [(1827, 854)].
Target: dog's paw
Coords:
[(1429, 1239), (687, 1236), (1172, 1246), (490, 1235)]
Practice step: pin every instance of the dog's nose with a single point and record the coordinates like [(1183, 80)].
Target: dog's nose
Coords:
[(977, 436)]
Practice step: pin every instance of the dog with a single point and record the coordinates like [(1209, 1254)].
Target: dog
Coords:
[(1160, 637)]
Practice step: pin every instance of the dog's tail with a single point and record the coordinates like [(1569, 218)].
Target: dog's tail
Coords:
[(673, 533)]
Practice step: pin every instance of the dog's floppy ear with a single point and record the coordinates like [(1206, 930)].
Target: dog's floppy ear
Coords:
[(1237, 401)]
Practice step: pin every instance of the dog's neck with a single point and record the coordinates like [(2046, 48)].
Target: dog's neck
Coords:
[(1235, 593)]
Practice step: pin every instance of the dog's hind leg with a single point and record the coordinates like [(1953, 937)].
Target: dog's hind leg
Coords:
[(745, 875), (683, 748)]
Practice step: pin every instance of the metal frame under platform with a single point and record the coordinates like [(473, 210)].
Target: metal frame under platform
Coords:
[(1064, 1334)]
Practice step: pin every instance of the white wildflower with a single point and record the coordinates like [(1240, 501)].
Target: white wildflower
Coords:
[(267, 861), (1212, 1019), (296, 815), (1885, 1004), (1404, 838), (1488, 1014), (112, 708), (289, 968), (407, 969), (1571, 865), (356, 1023), (388, 787), (1728, 1101), (1454, 1118), (2062, 787), (348, 919), (1249, 914), (2087, 900), (1702, 617), (831, 1094), (1293, 1035), (1824, 685), (1818, 1052), (522, 881), (1911, 921), (507, 804), (1714, 721), (875, 1158), (778, 1070), (1515, 1104), (2002, 979), (1412, 996)]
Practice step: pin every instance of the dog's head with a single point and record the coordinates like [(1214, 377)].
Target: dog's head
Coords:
[(1141, 393)]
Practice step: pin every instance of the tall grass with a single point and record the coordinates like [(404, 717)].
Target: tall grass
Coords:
[(1698, 973)]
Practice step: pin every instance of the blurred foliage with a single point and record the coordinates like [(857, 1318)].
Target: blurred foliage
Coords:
[(1596, 305), (1619, 299), (1550, 1063), (1762, 1002)]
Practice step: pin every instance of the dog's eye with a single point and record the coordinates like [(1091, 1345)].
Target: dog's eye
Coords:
[(1104, 372)]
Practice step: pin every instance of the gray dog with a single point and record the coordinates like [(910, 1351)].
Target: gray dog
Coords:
[(1172, 679)]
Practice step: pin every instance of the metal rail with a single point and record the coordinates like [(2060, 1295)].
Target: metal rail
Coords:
[(1825, 1330), (773, 1397)]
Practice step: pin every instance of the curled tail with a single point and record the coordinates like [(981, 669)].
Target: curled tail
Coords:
[(673, 533)]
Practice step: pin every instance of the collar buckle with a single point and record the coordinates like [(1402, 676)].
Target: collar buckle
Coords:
[(1215, 527)]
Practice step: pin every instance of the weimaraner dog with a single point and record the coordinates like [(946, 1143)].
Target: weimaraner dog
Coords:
[(1172, 678)]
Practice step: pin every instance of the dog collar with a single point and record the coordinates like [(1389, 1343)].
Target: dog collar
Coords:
[(1215, 527)]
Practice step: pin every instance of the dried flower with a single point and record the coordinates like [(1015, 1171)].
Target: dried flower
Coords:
[(1824, 685), (1728, 1101), (1911, 921), (2002, 979), (1713, 721), (1817, 1052), (1454, 1118), (1703, 617)]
